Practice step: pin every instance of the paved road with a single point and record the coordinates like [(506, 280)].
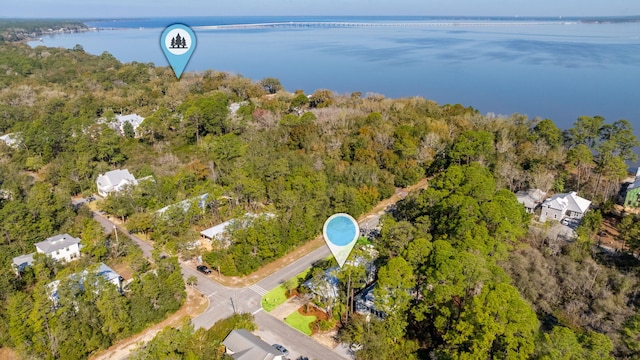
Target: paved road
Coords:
[(293, 269), (270, 328), (108, 226), (224, 301)]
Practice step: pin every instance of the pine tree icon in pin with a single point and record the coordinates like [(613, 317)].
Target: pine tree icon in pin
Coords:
[(178, 42)]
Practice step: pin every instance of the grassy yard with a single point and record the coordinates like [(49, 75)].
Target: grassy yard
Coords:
[(274, 298), (300, 322), (278, 295)]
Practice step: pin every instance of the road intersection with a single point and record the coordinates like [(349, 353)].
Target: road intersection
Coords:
[(225, 301)]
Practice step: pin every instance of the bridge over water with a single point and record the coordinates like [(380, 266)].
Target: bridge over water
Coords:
[(335, 24)]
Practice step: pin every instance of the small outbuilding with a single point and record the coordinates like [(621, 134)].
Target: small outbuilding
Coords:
[(530, 199)]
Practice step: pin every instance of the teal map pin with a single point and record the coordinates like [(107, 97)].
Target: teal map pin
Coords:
[(341, 232), (178, 42)]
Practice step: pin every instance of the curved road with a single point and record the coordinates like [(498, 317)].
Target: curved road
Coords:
[(224, 301)]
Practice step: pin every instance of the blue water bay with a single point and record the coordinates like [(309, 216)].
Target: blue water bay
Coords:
[(548, 68)]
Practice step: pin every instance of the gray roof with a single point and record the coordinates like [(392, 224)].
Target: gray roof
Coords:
[(328, 287), (201, 200), (568, 201), (56, 243), (108, 273), (246, 346), (134, 119), (635, 184), (216, 230), (23, 260), (115, 177), (530, 198), (103, 270), (220, 228)]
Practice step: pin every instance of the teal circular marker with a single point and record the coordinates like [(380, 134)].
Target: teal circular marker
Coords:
[(178, 42), (341, 232)]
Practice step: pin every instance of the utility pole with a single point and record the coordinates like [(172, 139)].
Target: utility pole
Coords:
[(348, 291), (115, 230)]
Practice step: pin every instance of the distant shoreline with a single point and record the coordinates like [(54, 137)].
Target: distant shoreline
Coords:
[(16, 30)]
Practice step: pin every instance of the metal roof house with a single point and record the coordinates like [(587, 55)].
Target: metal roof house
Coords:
[(220, 232), (216, 232), (103, 270), (564, 205), (114, 181), (185, 205), (365, 303), (134, 119), (326, 289), (243, 345)]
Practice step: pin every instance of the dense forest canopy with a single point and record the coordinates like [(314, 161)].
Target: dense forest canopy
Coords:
[(463, 274)]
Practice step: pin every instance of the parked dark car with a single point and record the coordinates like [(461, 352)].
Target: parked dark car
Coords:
[(203, 269)]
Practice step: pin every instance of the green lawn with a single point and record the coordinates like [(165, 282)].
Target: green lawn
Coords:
[(274, 298), (300, 322), (278, 296)]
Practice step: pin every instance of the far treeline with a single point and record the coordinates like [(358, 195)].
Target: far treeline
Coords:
[(29, 29), (475, 282)]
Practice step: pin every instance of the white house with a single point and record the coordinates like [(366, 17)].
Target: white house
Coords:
[(114, 181), (60, 247), (11, 139), (566, 205), (243, 345), (134, 119)]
